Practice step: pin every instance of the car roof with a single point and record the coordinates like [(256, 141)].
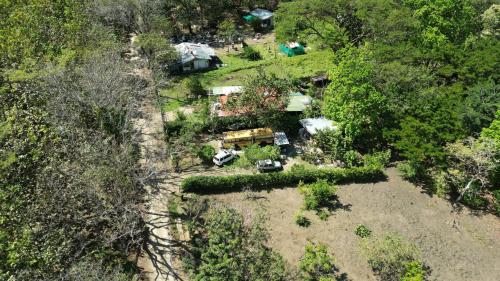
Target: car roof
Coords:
[(267, 162), (222, 153)]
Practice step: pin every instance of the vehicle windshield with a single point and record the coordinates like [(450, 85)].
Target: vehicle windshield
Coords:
[(216, 158)]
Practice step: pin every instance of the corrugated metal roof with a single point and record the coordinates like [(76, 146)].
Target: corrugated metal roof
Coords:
[(313, 125), (261, 14), (298, 102), (226, 90), (280, 138), (191, 51)]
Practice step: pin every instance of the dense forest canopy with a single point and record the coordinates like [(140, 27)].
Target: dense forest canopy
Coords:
[(418, 77)]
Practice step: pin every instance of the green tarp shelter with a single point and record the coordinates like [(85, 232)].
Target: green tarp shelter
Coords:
[(293, 50), (249, 18)]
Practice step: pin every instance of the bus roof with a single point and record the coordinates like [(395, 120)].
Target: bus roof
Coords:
[(260, 132)]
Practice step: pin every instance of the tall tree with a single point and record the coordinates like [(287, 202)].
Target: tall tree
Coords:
[(352, 99)]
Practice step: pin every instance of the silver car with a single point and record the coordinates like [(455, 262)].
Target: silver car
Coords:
[(269, 165)]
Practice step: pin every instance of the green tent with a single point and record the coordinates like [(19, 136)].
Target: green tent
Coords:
[(296, 50)]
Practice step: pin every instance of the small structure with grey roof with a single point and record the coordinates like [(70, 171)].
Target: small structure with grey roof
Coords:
[(194, 57), (311, 126), (297, 102), (266, 17), (225, 90)]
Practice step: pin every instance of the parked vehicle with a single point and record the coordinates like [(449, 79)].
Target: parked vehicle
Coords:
[(240, 139), (269, 165), (224, 156)]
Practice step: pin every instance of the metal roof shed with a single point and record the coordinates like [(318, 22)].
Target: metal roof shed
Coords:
[(313, 125), (298, 102), (280, 139), (262, 14)]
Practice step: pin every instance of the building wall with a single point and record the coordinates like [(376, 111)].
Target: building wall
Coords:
[(195, 65)]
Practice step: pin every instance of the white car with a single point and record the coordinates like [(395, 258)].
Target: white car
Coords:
[(268, 165), (224, 156)]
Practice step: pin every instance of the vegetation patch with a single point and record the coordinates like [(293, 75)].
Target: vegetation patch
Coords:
[(216, 184)]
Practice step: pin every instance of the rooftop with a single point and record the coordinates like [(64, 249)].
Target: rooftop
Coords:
[(298, 102), (313, 125), (262, 132), (191, 51), (261, 14), (224, 91)]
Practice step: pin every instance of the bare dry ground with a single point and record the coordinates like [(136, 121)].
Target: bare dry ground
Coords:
[(456, 244)]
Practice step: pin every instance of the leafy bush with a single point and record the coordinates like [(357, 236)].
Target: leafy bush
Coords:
[(317, 264), (407, 171), (378, 159), (392, 258), (301, 219), (193, 86), (251, 54), (317, 195), (440, 185), (414, 271), (496, 194), (206, 153), (352, 158), (362, 231), (215, 184), (255, 153)]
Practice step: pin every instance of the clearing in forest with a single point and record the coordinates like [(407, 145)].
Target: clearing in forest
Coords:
[(456, 244)]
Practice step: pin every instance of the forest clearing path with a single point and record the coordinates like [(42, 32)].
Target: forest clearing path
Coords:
[(157, 259)]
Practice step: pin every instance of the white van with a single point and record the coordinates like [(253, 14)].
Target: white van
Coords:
[(224, 156)]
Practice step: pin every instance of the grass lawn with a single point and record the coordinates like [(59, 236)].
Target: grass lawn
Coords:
[(236, 70)]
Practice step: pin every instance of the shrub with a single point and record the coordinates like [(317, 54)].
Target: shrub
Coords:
[(362, 231), (323, 215), (317, 264), (413, 271), (440, 185), (496, 194), (407, 171), (255, 153), (251, 54), (378, 159), (301, 219), (317, 195), (352, 158), (391, 257), (216, 184), (206, 153), (194, 87)]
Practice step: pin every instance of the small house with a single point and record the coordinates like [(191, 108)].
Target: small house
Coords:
[(194, 57), (266, 17)]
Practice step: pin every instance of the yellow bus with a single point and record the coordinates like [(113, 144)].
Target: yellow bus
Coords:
[(240, 139)]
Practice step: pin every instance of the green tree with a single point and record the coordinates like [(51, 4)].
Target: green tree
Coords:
[(227, 30), (392, 258), (327, 23), (352, 99), (264, 98), (317, 264), (230, 250)]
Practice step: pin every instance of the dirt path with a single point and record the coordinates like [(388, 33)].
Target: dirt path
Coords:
[(157, 260), (458, 245)]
